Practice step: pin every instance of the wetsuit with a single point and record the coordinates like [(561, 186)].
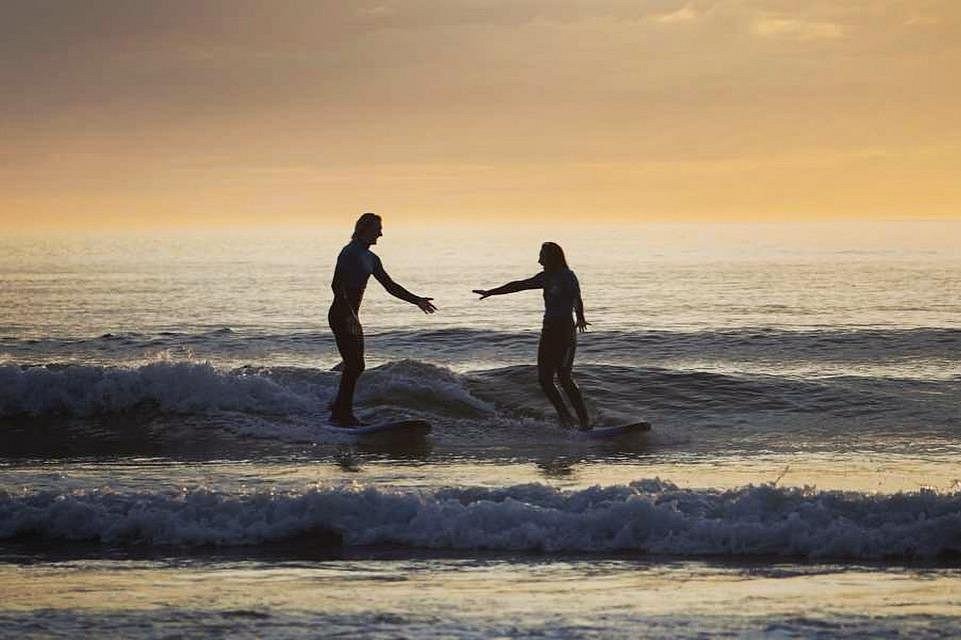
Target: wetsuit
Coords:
[(355, 264), (555, 352)]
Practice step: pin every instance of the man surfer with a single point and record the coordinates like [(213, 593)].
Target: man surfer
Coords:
[(555, 353), (355, 264)]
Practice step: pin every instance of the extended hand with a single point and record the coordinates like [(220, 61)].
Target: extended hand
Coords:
[(481, 292), (582, 325), (425, 305)]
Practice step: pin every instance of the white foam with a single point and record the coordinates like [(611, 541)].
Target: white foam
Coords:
[(191, 387), (182, 387), (648, 516), (423, 386)]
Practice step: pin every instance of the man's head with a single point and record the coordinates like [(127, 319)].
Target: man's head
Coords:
[(368, 228)]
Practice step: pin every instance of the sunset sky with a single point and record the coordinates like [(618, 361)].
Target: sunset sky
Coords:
[(293, 111)]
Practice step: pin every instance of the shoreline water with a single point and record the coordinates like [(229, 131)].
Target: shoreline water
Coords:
[(480, 598)]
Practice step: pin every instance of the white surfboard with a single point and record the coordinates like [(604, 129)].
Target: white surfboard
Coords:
[(611, 433), (396, 429)]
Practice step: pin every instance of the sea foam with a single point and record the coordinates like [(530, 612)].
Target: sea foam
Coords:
[(190, 387), (182, 387), (646, 516)]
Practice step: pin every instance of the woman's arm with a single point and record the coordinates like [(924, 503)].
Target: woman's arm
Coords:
[(581, 323), (534, 282)]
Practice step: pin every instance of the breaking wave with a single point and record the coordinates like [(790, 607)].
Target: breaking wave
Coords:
[(437, 392), (169, 387), (646, 516), (197, 388)]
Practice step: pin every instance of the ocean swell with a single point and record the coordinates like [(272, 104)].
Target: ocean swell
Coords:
[(919, 352)]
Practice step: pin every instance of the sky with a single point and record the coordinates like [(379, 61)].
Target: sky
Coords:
[(200, 112)]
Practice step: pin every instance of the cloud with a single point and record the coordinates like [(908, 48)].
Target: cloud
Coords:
[(148, 90), (797, 29), (685, 14)]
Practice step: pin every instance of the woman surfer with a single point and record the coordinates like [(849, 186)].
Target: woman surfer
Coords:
[(555, 353)]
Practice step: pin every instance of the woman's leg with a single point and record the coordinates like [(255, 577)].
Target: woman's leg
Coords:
[(548, 361), (565, 375)]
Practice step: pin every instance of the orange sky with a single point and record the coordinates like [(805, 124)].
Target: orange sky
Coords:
[(137, 112)]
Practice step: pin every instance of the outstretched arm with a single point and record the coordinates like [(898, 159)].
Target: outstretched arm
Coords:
[(398, 291), (534, 282)]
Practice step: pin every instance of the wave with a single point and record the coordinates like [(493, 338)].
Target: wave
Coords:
[(762, 346), (199, 388), (646, 516), (853, 345), (439, 393), (168, 387)]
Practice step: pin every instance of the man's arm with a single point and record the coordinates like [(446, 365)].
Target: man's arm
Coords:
[(398, 291), (534, 282), (337, 283)]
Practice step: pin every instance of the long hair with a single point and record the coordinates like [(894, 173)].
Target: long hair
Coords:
[(364, 222), (554, 259)]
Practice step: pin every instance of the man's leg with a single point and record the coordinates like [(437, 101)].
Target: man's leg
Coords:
[(350, 344)]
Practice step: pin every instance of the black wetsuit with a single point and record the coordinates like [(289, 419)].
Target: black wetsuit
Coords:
[(558, 342), (555, 352), (355, 264)]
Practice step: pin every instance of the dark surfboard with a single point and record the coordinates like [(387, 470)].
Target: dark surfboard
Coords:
[(395, 429), (610, 433)]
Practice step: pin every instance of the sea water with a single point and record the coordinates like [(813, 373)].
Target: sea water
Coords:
[(163, 473)]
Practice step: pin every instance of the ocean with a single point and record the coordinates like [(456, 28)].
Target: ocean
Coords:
[(162, 473)]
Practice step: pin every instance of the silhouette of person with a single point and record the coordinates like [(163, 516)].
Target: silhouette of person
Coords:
[(355, 264), (555, 353)]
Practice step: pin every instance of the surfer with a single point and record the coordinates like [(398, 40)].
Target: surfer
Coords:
[(355, 264), (555, 353)]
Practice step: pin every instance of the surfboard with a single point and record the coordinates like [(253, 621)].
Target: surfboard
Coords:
[(609, 433), (395, 429)]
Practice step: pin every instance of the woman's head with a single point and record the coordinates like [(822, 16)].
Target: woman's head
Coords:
[(368, 228), (552, 257)]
